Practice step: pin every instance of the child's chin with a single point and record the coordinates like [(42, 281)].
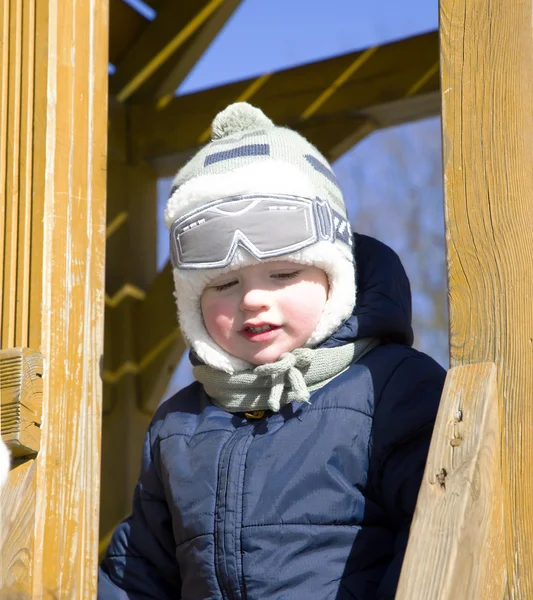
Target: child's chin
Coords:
[(268, 355)]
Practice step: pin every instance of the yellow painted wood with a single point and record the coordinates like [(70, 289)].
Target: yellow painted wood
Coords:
[(340, 80), (150, 51), (454, 547), (487, 124), (24, 188), (427, 76), (116, 223), (160, 343), (394, 84), (53, 112), (195, 48), (127, 290), (131, 267), (21, 396), (17, 540), (11, 135)]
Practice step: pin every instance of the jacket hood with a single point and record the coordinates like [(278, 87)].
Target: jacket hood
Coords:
[(383, 308)]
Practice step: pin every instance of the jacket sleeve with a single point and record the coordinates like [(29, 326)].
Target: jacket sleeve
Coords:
[(402, 429), (140, 563)]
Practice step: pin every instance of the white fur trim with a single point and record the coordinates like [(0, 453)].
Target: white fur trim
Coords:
[(265, 176), (268, 177)]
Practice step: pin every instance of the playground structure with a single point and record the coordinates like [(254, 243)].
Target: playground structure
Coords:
[(75, 395)]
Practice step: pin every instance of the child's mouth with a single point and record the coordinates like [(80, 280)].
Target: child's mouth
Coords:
[(259, 329), (259, 333)]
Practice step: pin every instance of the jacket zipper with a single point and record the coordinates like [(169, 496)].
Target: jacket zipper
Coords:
[(228, 514)]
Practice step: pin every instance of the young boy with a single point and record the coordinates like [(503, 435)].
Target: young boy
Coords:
[(291, 467)]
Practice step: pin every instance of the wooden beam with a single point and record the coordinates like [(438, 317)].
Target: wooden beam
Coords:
[(340, 80), (354, 127), (132, 247), (328, 101), (487, 126), (165, 90), (21, 398), (160, 343), (161, 39), (168, 156), (130, 270), (17, 534), (406, 110), (125, 27), (53, 87), (454, 547)]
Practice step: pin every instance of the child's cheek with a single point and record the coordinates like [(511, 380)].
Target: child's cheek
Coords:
[(224, 317)]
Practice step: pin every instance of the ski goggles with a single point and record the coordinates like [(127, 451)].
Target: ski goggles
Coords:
[(265, 225)]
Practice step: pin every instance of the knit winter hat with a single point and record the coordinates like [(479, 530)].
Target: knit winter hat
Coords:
[(250, 174)]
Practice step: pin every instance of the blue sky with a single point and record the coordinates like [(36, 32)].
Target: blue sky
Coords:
[(267, 35)]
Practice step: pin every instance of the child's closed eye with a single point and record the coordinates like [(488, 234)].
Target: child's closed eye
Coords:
[(225, 286), (285, 276)]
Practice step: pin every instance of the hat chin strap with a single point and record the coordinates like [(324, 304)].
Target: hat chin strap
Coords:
[(339, 306)]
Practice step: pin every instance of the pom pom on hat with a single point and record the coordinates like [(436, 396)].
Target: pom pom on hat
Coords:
[(237, 118)]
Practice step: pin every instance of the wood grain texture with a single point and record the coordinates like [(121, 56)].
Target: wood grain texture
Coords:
[(160, 343), (72, 136), (21, 395), (454, 545), (487, 87), (53, 112), (17, 504), (132, 188), (170, 78), (158, 43)]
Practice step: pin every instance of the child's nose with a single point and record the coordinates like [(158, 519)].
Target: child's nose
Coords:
[(254, 299)]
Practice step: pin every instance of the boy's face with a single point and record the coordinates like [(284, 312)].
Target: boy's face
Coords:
[(259, 312)]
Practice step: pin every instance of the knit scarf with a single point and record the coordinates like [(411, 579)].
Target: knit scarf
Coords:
[(291, 378)]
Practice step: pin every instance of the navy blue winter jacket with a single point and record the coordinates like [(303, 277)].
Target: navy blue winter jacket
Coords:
[(314, 502)]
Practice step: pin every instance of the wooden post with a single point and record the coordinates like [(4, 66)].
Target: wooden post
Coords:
[(454, 546), (53, 115), (131, 267), (487, 124)]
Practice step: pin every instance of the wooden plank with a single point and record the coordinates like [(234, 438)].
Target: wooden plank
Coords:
[(125, 27), (117, 123), (17, 502), (131, 268), (25, 178), (69, 187), (398, 112), (170, 29), (10, 237), (328, 101), (21, 395), (192, 53), (488, 181), (131, 251), (4, 96), (160, 343), (40, 183), (454, 545)]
